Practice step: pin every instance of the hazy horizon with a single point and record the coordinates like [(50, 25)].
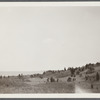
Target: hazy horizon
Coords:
[(16, 73), (48, 38)]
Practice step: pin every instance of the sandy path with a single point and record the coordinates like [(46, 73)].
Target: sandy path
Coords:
[(81, 86), (79, 89)]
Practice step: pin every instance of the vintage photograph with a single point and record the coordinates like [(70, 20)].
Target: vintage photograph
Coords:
[(49, 49)]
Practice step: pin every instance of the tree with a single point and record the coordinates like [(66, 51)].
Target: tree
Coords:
[(91, 86), (92, 68), (77, 72), (64, 69), (74, 75), (86, 78), (57, 79), (82, 69), (44, 72), (72, 71), (52, 79), (97, 76), (69, 79), (31, 76), (97, 64)]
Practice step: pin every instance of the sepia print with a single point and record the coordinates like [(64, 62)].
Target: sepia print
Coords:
[(49, 49)]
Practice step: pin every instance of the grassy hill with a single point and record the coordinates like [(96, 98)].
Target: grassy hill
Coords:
[(87, 70), (56, 74), (84, 77)]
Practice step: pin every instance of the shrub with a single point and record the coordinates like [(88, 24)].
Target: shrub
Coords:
[(97, 76)]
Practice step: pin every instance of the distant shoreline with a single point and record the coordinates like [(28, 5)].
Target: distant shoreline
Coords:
[(15, 73)]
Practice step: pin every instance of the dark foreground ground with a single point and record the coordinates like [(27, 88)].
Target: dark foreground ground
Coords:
[(35, 85)]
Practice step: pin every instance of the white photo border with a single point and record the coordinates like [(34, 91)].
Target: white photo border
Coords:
[(50, 4)]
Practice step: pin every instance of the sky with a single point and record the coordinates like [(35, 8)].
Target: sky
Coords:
[(48, 38)]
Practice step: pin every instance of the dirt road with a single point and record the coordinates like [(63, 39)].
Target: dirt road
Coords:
[(79, 89)]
